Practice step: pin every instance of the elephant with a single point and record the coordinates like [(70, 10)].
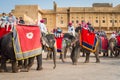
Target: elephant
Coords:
[(113, 47), (7, 52), (68, 39), (112, 44), (49, 44), (77, 48)]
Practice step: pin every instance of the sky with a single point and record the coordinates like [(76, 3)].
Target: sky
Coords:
[(7, 5)]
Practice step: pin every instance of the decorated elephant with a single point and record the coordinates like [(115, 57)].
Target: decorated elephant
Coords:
[(68, 39), (7, 52), (82, 43), (62, 45)]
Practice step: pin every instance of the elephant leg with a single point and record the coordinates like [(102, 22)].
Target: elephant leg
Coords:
[(107, 54), (20, 63), (65, 53), (30, 63), (51, 55), (111, 54), (39, 62), (83, 54), (87, 57), (14, 66), (25, 63), (3, 67), (48, 55), (104, 54), (54, 58), (97, 57), (62, 57)]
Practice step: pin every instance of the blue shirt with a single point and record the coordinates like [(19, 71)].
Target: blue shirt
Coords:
[(11, 19)]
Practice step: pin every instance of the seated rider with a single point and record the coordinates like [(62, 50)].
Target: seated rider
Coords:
[(71, 29), (43, 28), (11, 19), (77, 29), (113, 35), (91, 29), (3, 20)]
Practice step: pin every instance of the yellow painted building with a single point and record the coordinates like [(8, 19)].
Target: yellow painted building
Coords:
[(103, 16)]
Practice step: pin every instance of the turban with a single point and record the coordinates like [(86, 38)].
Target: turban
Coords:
[(42, 21), (70, 24)]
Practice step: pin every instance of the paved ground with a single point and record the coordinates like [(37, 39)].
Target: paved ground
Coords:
[(108, 69)]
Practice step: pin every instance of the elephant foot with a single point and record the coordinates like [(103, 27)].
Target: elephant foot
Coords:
[(63, 61), (83, 55), (25, 70), (48, 58), (97, 61), (54, 67), (86, 62), (15, 71), (74, 63), (20, 67), (2, 70), (39, 68), (111, 56)]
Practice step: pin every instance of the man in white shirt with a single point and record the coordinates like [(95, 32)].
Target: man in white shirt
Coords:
[(71, 29), (43, 27), (113, 35)]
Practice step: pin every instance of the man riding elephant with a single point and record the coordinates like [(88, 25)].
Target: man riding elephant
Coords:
[(71, 29)]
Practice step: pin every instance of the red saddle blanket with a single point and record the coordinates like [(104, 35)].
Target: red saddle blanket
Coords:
[(4, 31), (104, 43), (118, 40), (27, 41), (88, 40), (59, 43)]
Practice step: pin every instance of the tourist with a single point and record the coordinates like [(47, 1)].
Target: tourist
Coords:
[(11, 19), (21, 21), (90, 27), (3, 20), (77, 29)]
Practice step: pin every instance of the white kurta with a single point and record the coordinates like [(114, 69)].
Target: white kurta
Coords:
[(43, 28), (71, 30), (113, 36)]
